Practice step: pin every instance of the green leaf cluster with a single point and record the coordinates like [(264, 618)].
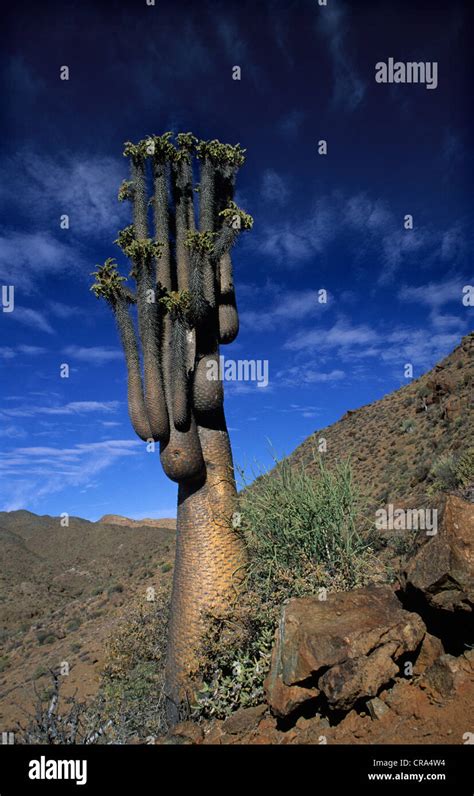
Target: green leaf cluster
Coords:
[(246, 221), (108, 281)]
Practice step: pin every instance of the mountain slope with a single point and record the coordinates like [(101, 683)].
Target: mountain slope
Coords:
[(393, 443)]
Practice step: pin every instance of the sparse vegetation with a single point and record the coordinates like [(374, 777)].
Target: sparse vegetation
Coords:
[(451, 472), (301, 535), (131, 692)]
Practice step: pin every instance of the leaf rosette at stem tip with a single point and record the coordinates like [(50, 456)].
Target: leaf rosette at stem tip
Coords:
[(221, 154), (138, 152), (160, 147), (142, 250), (108, 281), (186, 144), (177, 303), (232, 212), (200, 242), (125, 191)]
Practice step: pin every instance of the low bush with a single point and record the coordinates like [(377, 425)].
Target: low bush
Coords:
[(301, 533)]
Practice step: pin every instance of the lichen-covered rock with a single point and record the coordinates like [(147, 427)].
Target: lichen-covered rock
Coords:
[(443, 569), (347, 646), (447, 674)]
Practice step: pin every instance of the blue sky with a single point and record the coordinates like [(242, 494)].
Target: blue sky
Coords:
[(333, 222)]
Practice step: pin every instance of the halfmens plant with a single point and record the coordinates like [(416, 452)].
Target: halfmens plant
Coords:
[(185, 306)]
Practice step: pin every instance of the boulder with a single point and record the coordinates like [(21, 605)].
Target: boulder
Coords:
[(431, 649), (443, 569), (244, 720), (447, 674), (345, 647)]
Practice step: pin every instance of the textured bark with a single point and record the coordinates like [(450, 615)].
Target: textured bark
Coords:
[(150, 331), (228, 315), (183, 193), (136, 402), (140, 199), (180, 382), (207, 202), (209, 564), (161, 218)]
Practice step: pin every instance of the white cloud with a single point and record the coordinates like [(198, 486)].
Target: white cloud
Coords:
[(31, 350), (342, 335), (308, 373), (32, 318), (27, 257), (420, 347), (82, 186), (283, 306), (434, 294), (289, 125), (349, 89), (64, 311), (93, 355), (72, 408), (376, 229), (46, 470), (274, 188)]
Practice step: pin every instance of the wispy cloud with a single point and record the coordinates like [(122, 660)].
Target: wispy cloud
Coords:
[(284, 306), (342, 335), (45, 470), (290, 124), (72, 408), (307, 373), (434, 294), (64, 311), (82, 186), (274, 188), (25, 258), (93, 355), (32, 318), (333, 25), (417, 346), (374, 228)]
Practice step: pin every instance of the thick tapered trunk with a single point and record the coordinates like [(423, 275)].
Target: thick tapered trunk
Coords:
[(209, 565)]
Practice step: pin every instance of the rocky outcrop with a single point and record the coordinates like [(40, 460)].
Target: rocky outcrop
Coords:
[(442, 571), (344, 648)]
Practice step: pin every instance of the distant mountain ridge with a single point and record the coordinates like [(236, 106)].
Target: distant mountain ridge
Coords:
[(117, 519)]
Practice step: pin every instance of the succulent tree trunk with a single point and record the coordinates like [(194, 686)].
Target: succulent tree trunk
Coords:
[(186, 307)]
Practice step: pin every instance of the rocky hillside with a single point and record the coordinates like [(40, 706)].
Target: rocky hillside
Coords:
[(394, 443), (62, 589)]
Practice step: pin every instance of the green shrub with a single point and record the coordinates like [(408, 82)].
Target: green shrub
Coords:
[(450, 472), (465, 468), (443, 475), (293, 520), (45, 637), (4, 663), (40, 671), (301, 534), (116, 587), (73, 624)]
